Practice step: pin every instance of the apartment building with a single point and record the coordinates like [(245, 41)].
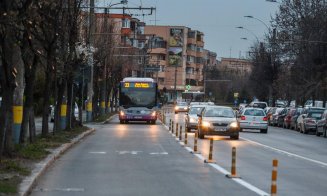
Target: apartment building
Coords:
[(241, 67), (177, 55)]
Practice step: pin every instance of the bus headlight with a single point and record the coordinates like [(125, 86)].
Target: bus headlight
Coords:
[(234, 125), (122, 113), (206, 124)]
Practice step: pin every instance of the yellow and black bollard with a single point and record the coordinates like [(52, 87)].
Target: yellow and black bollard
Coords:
[(195, 148), (274, 178), (210, 160), (180, 133), (176, 133), (233, 168)]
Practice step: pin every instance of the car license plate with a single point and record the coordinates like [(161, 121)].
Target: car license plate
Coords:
[(220, 129), (137, 117)]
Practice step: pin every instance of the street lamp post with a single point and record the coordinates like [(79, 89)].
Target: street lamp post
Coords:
[(258, 20), (240, 27)]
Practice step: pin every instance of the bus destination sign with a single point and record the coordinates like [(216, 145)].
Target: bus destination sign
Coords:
[(137, 85)]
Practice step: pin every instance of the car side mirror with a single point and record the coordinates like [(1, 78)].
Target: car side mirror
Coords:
[(199, 115)]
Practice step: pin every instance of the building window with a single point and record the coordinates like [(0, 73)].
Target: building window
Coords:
[(189, 70), (161, 57), (126, 23), (191, 47), (190, 59), (191, 34), (198, 37), (199, 49), (199, 60)]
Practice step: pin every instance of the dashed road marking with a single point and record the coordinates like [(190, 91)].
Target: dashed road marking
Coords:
[(61, 189), (129, 152), (158, 153), (98, 152)]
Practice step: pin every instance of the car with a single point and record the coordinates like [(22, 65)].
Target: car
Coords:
[(305, 122), (181, 107), (218, 120), (258, 104), (269, 114), (294, 118), (276, 116), (254, 118), (281, 117), (191, 118), (287, 119), (322, 125), (52, 112)]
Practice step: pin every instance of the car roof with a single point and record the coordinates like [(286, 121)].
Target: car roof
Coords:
[(198, 106), (253, 108), (218, 106)]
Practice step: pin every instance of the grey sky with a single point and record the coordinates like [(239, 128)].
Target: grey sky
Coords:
[(217, 19)]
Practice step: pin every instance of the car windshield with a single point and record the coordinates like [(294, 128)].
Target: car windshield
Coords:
[(316, 115), (254, 112), (182, 104), (195, 110), (219, 112)]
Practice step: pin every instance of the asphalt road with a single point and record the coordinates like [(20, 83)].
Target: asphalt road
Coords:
[(302, 158), (134, 159)]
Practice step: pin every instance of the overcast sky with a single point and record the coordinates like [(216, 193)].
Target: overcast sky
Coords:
[(217, 19)]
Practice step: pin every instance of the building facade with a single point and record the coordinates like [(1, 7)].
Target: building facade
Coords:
[(240, 67), (176, 59)]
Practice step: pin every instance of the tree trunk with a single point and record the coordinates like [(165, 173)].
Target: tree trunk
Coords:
[(46, 96)]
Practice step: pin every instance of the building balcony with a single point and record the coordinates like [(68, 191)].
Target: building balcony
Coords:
[(200, 54), (191, 76), (157, 51), (157, 62)]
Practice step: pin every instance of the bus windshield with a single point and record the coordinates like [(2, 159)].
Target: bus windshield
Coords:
[(131, 95)]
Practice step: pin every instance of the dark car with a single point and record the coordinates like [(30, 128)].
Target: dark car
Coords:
[(270, 113), (293, 124), (281, 116), (276, 117), (322, 125)]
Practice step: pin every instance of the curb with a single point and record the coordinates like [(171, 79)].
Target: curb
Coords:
[(109, 119), (27, 184)]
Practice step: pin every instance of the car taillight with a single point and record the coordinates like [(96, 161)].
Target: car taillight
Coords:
[(243, 118), (265, 118)]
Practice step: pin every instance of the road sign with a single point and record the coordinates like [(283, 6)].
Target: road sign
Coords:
[(188, 87)]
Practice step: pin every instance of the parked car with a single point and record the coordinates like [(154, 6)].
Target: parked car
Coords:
[(322, 125), (52, 112), (317, 103), (258, 104), (181, 107), (306, 121), (280, 117), (288, 118), (269, 114), (254, 118), (298, 112), (191, 118), (275, 116), (218, 120)]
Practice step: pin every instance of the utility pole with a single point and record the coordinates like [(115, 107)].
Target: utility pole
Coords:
[(89, 107), (175, 81)]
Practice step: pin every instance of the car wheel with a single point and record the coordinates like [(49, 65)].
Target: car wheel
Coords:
[(241, 130), (176, 112), (317, 132), (153, 122), (121, 121), (235, 137), (188, 129), (324, 132), (200, 134), (263, 130)]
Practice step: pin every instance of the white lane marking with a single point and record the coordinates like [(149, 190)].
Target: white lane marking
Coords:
[(98, 152), (61, 189), (129, 152), (285, 152), (158, 153)]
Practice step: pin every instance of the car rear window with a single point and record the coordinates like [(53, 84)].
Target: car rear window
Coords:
[(195, 110), (316, 115), (254, 112), (259, 105)]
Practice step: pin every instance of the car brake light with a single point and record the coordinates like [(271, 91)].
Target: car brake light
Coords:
[(243, 118), (265, 118)]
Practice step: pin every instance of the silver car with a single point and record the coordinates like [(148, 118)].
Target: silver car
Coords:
[(254, 118), (191, 118), (218, 120)]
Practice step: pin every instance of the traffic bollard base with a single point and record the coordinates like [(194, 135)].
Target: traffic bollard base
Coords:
[(209, 161), (195, 152), (232, 176)]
